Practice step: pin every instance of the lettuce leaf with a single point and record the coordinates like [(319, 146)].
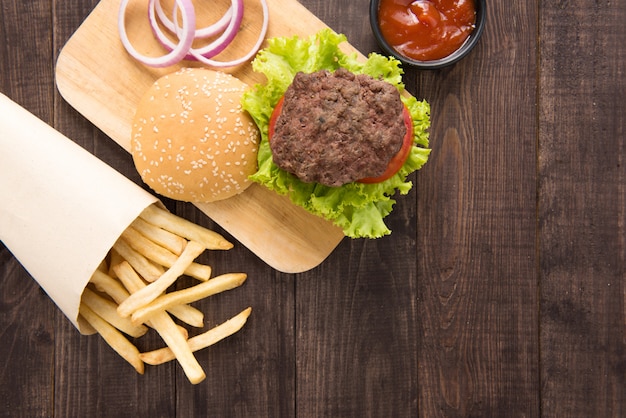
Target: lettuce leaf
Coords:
[(357, 208)]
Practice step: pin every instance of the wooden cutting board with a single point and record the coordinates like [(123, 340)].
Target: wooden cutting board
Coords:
[(96, 76)]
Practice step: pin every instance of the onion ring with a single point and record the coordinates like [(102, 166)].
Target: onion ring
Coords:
[(178, 52), (226, 37), (186, 32), (250, 54), (153, 12), (201, 33), (235, 13)]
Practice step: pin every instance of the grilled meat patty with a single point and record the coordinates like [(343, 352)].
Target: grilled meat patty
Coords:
[(336, 128)]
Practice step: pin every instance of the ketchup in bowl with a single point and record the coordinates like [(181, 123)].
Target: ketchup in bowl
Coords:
[(426, 30)]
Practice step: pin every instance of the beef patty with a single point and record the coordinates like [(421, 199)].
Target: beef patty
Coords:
[(336, 128)]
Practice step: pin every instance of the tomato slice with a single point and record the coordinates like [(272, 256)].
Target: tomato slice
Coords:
[(395, 163), (275, 113), (399, 159)]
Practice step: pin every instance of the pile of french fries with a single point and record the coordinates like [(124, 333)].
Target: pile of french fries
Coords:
[(127, 294)]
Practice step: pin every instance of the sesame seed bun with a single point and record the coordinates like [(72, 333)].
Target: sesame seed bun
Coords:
[(191, 140)]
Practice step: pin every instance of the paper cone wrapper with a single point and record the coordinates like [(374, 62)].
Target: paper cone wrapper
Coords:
[(61, 208)]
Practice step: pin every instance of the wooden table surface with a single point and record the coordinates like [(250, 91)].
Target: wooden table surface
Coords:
[(500, 293)]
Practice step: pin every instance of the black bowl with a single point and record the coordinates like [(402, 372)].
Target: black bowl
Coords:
[(438, 63)]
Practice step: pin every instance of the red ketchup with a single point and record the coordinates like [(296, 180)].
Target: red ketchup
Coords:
[(426, 30)]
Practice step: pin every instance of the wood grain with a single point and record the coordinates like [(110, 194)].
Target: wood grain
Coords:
[(27, 331), (476, 228), (500, 292), (582, 214)]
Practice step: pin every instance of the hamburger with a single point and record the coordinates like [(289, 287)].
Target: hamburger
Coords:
[(338, 136), (191, 140)]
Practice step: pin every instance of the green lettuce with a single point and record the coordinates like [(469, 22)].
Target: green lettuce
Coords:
[(357, 208)]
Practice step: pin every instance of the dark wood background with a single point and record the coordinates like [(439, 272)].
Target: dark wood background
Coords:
[(500, 293)]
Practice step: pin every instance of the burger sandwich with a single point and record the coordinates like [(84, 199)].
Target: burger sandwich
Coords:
[(338, 134)]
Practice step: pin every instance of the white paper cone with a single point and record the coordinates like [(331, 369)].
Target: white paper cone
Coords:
[(61, 208)]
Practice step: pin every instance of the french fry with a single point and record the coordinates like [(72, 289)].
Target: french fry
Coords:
[(216, 285), (106, 284), (141, 264), (153, 290), (107, 310), (85, 327), (166, 327), (103, 266), (200, 341), (165, 239), (154, 252), (186, 313), (114, 259), (129, 277), (114, 338), (127, 292), (168, 330), (193, 232), (116, 290)]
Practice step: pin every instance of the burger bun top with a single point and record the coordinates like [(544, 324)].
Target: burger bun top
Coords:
[(191, 140)]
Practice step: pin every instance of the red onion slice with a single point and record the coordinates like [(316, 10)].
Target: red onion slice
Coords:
[(153, 12), (235, 12), (227, 26), (250, 53), (226, 37), (211, 30), (217, 27), (178, 52)]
